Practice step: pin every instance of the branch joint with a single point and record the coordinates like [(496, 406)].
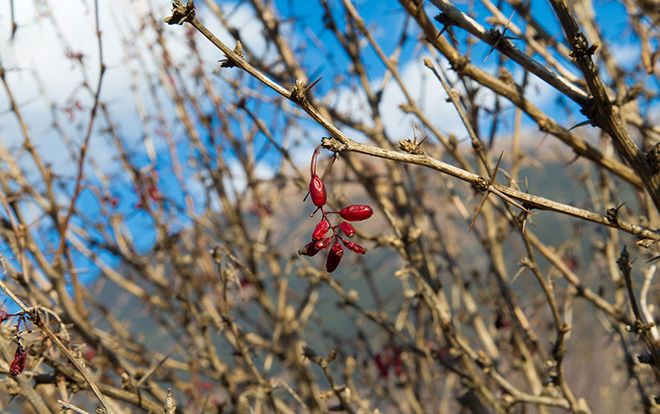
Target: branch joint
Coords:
[(581, 48), (333, 144), (181, 13)]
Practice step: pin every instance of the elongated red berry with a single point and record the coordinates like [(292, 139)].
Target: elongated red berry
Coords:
[(309, 249), (347, 228), (323, 244), (317, 191), (18, 363), (356, 212), (354, 247), (321, 229), (334, 257)]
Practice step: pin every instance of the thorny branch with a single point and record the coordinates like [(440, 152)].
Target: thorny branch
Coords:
[(158, 268)]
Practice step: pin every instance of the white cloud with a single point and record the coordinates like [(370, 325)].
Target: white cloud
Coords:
[(238, 180), (626, 54), (304, 138), (424, 89), (40, 48), (427, 91)]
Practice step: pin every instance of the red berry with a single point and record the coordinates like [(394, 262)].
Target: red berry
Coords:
[(347, 228), (398, 364), (89, 353), (356, 212), (309, 249), (322, 244), (382, 364), (334, 257), (18, 363), (321, 229), (317, 191), (354, 247), (204, 386), (501, 321)]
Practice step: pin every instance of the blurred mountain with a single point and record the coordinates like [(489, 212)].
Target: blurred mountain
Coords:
[(555, 180)]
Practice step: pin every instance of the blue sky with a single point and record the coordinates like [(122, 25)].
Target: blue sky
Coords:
[(37, 47)]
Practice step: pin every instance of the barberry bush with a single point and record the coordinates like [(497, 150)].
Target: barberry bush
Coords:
[(477, 231)]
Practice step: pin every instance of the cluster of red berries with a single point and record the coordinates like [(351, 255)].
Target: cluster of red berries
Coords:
[(389, 358), (321, 239), (17, 364)]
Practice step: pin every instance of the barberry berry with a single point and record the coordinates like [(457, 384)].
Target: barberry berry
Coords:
[(389, 357), (321, 229), (382, 364), (317, 191), (309, 249), (18, 363), (354, 247), (356, 212), (347, 228), (322, 244), (334, 257)]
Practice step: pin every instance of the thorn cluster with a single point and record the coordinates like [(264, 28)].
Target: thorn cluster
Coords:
[(325, 234)]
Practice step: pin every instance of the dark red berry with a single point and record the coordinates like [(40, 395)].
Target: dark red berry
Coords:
[(382, 364), (354, 247), (317, 191), (398, 364), (3, 315), (204, 386), (18, 363), (89, 353), (321, 229), (309, 249), (347, 228), (501, 321), (356, 212), (334, 257)]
